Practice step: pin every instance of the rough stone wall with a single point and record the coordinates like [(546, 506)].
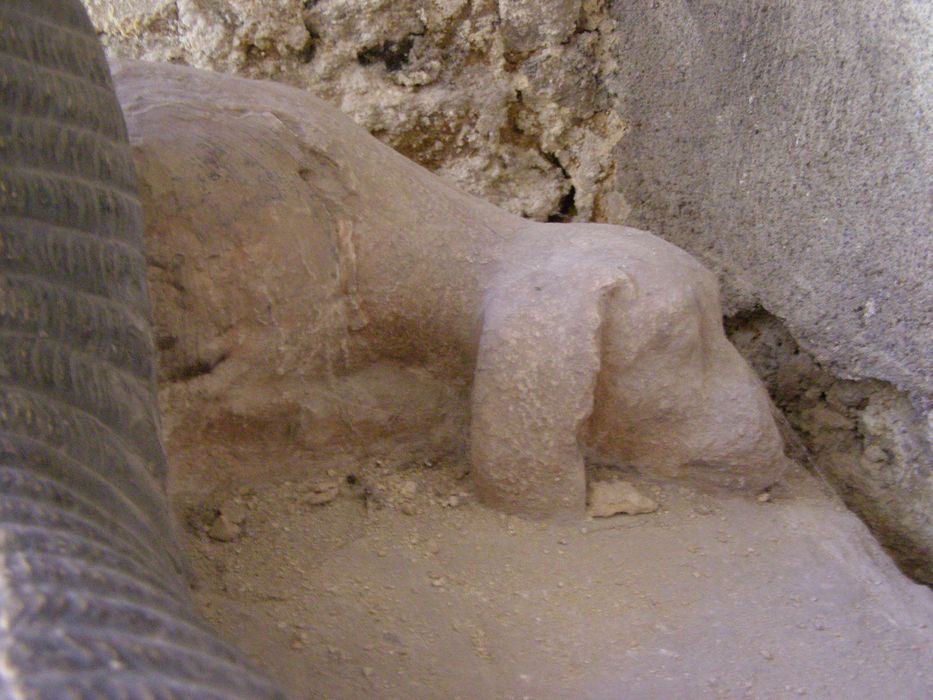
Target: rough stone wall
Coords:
[(786, 144), (505, 98), (863, 436)]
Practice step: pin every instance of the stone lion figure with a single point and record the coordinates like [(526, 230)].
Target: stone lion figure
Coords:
[(298, 263)]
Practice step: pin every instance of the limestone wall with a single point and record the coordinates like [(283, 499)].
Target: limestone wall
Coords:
[(506, 99), (785, 144)]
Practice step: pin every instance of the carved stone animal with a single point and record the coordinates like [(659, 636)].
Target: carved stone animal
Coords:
[(300, 264)]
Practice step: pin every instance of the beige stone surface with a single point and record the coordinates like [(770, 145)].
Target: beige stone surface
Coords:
[(298, 265), (607, 498)]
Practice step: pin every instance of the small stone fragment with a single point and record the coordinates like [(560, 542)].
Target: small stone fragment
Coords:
[(234, 510), (408, 489), (608, 498), (223, 530), (407, 508), (321, 492), (764, 497)]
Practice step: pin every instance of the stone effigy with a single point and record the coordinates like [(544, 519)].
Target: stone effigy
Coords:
[(299, 264)]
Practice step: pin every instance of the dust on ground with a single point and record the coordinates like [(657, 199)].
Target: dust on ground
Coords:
[(369, 579)]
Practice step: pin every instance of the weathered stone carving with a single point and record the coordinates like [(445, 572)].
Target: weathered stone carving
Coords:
[(300, 264)]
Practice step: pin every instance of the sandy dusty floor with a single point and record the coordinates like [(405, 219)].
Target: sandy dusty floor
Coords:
[(402, 586)]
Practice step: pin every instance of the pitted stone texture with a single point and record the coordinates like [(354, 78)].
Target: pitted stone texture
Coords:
[(501, 97), (297, 261), (527, 26)]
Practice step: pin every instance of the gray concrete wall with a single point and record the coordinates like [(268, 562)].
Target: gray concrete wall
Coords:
[(788, 145)]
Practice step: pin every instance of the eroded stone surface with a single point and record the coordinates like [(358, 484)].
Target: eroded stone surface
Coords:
[(295, 257)]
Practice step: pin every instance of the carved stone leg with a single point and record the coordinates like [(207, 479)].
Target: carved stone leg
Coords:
[(609, 343), (539, 357)]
